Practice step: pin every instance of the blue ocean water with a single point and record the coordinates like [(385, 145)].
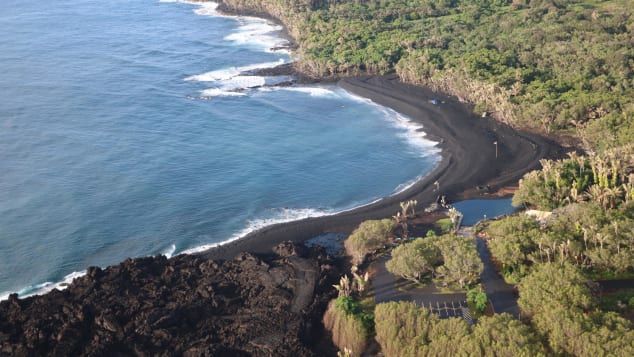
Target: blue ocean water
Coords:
[(127, 129)]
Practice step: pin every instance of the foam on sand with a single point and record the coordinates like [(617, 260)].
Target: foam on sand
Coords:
[(279, 216), (412, 132)]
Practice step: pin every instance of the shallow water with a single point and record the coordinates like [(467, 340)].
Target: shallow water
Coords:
[(476, 210), (127, 130)]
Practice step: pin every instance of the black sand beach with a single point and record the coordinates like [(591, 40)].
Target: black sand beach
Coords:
[(469, 167)]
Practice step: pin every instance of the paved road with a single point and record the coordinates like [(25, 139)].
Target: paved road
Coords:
[(502, 296)]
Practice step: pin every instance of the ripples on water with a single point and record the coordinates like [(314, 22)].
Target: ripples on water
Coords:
[(129, 129)]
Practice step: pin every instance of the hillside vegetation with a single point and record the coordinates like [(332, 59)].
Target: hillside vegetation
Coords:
[(556, 65)]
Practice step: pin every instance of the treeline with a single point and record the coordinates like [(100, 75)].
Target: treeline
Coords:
[(592, 226), (558, 65), (564, 320), (449, 260), (405, 329)]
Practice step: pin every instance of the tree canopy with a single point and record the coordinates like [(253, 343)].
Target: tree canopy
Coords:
[(404, 329), (554, 65), (450, 259), (558, 300), (367, 238)]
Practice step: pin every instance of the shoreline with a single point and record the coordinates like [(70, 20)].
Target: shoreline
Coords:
[(386, 91), (468, 167)]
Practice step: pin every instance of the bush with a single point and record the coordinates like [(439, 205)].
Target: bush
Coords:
[(557, 299), (512, 241), (415, 259), (478, 298), (503, 335), (350, 327), (461, 261), (404, 329), (445, 225), (367, 238)]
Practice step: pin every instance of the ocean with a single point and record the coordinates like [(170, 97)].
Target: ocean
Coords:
[(129, 128)]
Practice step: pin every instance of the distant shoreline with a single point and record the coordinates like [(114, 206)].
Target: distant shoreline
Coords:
[(468, 167)]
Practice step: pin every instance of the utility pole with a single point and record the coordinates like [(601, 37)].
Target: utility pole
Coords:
[(496, 148)]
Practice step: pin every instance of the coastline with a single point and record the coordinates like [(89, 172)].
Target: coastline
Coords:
[(468, 167), (411, 101), (467, 155)]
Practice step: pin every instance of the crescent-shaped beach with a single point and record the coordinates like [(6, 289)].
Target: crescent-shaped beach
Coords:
[(469, 165)]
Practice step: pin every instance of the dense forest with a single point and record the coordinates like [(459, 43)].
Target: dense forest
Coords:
[(560, 66), (577, 232)]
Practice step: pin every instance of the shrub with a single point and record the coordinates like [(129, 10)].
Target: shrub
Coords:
[(415, 259), (461, 261), (512, 241), (404, 329), (445, 225), (350, 326), (367, 238), (503, 335), (478, 298), (559, 302)]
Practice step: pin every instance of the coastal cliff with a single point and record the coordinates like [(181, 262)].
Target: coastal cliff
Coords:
[(187, 305)]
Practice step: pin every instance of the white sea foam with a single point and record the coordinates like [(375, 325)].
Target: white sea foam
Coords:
[(228, 73), (280, 216), (252, 31), (237, 85), (44, 288), (169, 252), (258, 33), (312, 91), (412, 132), (217, 92)]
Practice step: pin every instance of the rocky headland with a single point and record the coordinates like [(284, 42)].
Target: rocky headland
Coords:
[(187, 305)]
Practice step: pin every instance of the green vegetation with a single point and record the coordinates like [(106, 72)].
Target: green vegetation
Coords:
[(592, 226), (368, 238), (558, 300), (449, 259), (619, 301), (461, 261), (415, 260), (606, 179), (444, 225), (477, 298), (512, 242), (350, 326), (404, 329), (584, 234), (562, 66), (557, 65)]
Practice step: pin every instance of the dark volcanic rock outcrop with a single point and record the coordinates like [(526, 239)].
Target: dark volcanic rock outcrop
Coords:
[(187, 305)]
